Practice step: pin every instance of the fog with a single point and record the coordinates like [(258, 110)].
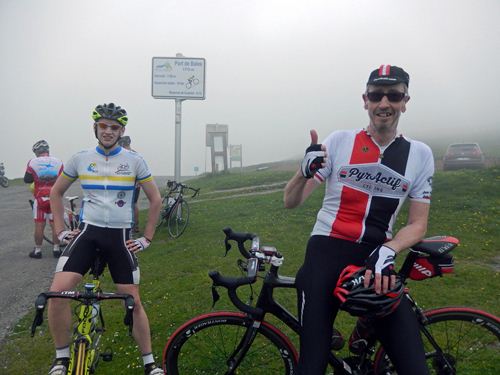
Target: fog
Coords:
[(274, 70)]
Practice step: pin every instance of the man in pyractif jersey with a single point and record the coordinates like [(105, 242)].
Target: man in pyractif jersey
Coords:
[(368, 174), (42, 171), (108, 175)]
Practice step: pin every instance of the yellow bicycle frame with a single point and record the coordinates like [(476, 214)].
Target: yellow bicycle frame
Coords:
[(83, 354)]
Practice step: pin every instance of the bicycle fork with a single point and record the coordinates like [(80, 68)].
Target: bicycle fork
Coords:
[(241, 349), (441, 361), (80, 363)]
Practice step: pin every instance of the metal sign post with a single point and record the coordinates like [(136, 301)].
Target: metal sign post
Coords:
[(180, 78), (178, 118)]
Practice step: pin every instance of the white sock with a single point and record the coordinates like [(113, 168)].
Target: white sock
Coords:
[(38, 249), (148, 358), (56, 248), (62, 352)]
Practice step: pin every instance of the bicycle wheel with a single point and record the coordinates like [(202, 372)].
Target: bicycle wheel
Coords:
[(204, 345), (178, 218), (48, 238), (4, 181), (469, 339)]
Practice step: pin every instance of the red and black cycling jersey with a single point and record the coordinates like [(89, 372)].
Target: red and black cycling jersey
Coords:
[(366, 184)]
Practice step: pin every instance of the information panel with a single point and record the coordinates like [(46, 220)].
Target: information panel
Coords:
[(178, 78)]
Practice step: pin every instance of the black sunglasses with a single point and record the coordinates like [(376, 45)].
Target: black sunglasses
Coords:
[(393, 97)]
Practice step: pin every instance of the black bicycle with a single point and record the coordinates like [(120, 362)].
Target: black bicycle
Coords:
[(175, 209), (458, 340), (89, 327)]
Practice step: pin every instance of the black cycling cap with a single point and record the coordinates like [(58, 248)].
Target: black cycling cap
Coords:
[(387, 75)]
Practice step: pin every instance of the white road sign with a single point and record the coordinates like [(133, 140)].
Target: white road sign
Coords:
[(178, 78)]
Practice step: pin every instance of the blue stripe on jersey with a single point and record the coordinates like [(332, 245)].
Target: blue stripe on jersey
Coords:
[(108, 187)]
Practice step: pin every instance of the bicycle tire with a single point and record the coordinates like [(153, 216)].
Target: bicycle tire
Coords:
[(178, 218), (469, 338), (203, 344), (4, 181), (46, 238)]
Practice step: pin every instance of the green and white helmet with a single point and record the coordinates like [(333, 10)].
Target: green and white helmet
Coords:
[(111, 112)]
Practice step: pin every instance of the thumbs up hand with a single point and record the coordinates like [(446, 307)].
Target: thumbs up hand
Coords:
[(314, 158)]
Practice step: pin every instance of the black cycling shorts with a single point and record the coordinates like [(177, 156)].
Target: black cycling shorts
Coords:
[(109, 244), (325, 258)]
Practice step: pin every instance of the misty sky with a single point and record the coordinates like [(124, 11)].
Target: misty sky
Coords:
[(274, 69)]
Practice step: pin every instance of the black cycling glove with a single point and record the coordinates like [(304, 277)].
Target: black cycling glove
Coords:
[(381, 260), (312, 160)]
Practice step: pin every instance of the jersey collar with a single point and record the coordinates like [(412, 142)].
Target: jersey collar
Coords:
[(113, 152)]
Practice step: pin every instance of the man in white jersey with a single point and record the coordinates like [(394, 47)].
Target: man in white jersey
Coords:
[(108, 174), (368, 174), (42, 171)]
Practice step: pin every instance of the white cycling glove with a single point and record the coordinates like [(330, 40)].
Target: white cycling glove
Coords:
[(381, 260), (139, 244), (66, 236), (312, 160)]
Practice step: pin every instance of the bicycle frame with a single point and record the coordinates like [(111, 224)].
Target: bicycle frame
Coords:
[(266, 304), (88, 331), (89, 327), (175, 210), (73, 216)]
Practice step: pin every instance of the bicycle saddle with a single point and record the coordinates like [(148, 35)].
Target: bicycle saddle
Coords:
[(436, 246)]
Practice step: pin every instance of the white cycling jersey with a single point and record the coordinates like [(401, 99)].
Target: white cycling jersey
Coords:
[(108, 183), (45, 170), (366, 184)]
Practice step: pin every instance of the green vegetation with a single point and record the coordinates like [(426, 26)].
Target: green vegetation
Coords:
[(175, 285)]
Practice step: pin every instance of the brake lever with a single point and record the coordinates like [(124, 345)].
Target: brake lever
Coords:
[(37, 321), (40, 303), (129, 315), (227, 245), (215, 295)]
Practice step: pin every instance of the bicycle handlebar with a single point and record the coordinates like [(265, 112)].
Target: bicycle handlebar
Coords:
[(85, 297), (174, 185), (240, 239), (255, 257)]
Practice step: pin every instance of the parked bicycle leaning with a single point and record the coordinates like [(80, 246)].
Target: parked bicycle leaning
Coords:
[(368, 173), (175, 208), (42, 171)]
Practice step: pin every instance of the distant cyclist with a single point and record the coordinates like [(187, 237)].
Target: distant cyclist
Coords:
[(125, 142), (368, 174), (42, 171), (108, 175)]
